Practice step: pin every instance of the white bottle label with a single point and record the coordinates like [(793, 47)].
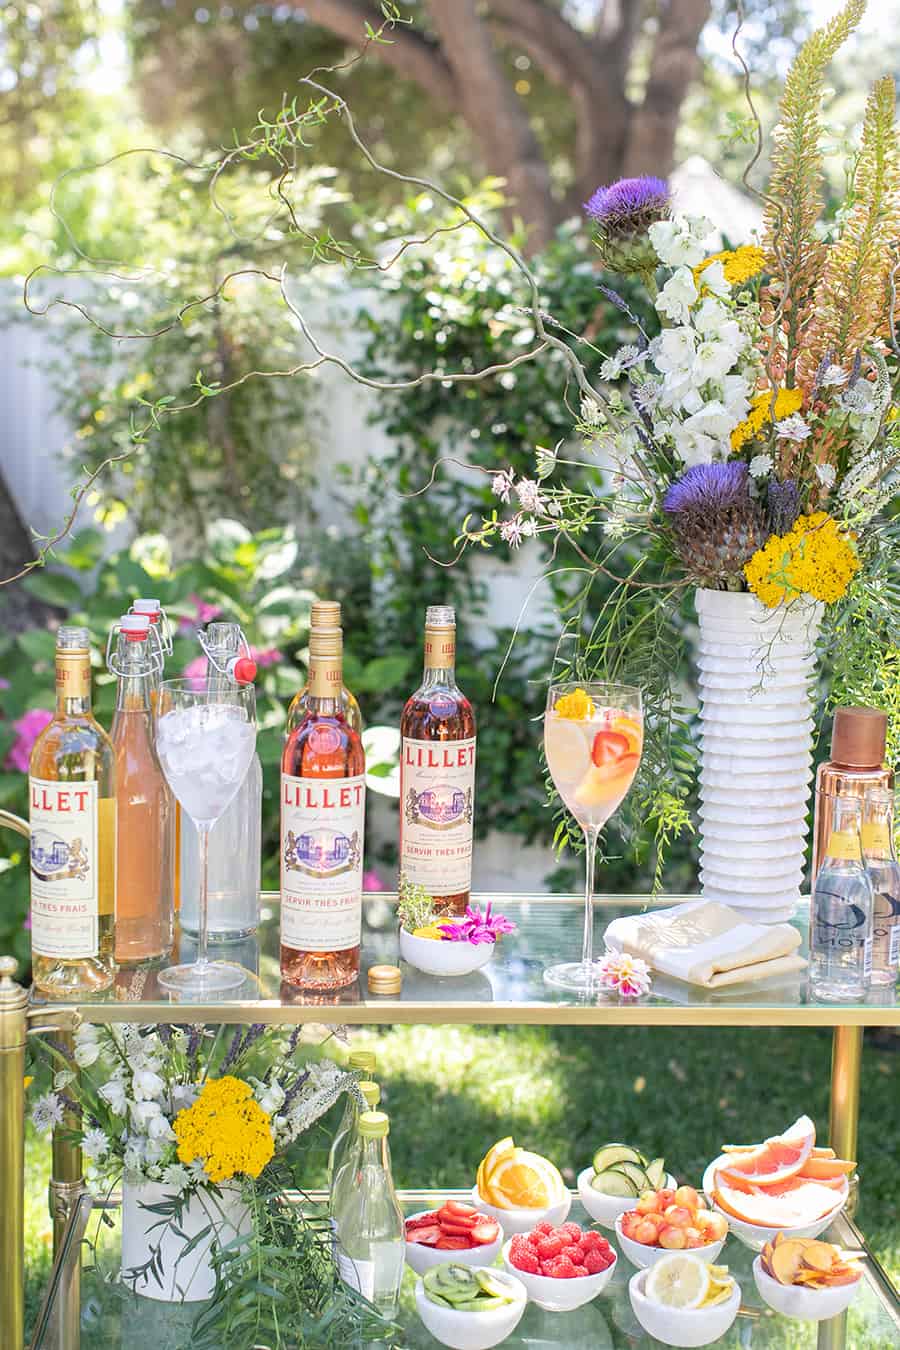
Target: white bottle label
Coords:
[(322, 831), (65, 893), (867, 958), (438, 798), (894, 949)]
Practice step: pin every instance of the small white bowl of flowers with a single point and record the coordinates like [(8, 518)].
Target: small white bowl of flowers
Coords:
[(440, 943)]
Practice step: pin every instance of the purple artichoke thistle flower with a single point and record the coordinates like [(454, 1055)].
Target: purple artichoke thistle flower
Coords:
[(708, 487), (716, 523), (629, 204)]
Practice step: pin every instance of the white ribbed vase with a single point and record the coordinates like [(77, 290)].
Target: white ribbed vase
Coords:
[(756, 668)]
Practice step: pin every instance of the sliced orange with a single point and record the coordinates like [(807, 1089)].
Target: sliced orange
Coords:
[(631, 730), (524, 1181)]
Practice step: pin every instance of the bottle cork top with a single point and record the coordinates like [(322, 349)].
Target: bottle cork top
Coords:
[(858, 737), (385, 980), (362, 1059), (325, 614), (73, 639)]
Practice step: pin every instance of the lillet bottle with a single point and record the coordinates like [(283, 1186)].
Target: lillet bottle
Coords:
[(323, 798), (72, 794), (437, 772)]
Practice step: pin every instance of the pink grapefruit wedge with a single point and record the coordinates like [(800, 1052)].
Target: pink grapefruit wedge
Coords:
[(776, 1160), (797, 1207)]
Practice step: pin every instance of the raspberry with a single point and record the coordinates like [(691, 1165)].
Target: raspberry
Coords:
[(534, 1240), (543, 1228), (594, 1241), (562, 1268), (595, 1262), (581, 1270), (572, 1230), (549, 1247), (525, 1260)]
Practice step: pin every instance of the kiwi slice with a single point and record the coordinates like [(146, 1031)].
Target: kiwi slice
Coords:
[(483, 1304), (610, 1154), (492, 1286), (436, 1298), (614, 1182)]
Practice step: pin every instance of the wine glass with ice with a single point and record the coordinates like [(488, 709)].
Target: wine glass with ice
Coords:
[(205, 740)]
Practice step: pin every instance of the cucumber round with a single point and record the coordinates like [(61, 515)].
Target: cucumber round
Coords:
[(610, 1154), (614, 1182), (656, 1173), (636, 1175)]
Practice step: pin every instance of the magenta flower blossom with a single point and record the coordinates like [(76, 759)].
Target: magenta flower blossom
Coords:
[(627, 976), (372, 881), (477, 928), (195, 671), (27, 728), (265, 656), (205, 614)]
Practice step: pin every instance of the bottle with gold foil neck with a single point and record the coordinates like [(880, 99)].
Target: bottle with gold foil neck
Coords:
[(325, 616), (884, 873), (72, 793), (857, 765)]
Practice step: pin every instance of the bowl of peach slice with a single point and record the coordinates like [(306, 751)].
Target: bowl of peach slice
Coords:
[(806, 1278), (670, 1221)]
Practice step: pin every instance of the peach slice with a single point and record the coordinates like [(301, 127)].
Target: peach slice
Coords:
[(787, 1260), (818, 1256)]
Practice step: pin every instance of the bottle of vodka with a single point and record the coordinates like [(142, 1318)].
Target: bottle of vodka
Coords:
[(840, 929), (884, 874), (235, 839)]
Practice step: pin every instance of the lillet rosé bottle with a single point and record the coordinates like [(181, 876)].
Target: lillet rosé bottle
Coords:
[(437, 772), (323, 800)]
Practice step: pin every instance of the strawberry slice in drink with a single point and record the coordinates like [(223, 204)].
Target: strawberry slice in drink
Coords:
[(458, 1229), (608, 748), (460, 1210)]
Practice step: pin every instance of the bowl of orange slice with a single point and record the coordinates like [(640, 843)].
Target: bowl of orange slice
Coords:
[(519, 1188), (806, 1278)]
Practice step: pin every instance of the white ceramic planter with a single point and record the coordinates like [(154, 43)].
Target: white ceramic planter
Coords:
[(190, 1279), (756, 726)]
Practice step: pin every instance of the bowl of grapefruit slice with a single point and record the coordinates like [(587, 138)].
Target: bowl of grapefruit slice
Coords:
[(785, 1185)]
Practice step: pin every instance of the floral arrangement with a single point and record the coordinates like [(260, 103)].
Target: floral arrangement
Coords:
[(420, 916)]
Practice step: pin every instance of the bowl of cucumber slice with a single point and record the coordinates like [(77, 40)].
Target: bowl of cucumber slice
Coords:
[(470, 1308), (618, 1175)]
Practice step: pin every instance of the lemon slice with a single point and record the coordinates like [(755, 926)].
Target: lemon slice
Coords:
[(568, 750), (678, 1281)]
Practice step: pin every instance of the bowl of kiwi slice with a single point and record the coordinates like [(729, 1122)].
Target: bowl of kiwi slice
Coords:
[(470, 1307)]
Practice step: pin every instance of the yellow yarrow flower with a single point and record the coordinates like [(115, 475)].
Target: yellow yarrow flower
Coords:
[(226, 1130), (578, 705), (814, 558), (739, 264), (787, 402)]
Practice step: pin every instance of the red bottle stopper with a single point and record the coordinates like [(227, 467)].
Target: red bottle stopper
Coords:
[(242, 669)]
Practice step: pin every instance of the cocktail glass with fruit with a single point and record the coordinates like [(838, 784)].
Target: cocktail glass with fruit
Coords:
[(593, 737)]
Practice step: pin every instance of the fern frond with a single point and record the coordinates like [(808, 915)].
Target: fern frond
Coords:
[(851, 300), (794, 198)]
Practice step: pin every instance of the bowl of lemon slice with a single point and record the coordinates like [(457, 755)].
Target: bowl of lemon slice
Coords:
[(684, 1301)]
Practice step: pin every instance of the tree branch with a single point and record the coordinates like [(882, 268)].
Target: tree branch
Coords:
[(650, 146), (409, 53)]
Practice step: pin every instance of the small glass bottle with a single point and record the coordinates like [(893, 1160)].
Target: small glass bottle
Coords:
[(840, 940), (145, 808), (72, 793), (884, 874), (235, 856), (346, 1141), (370, 1235), (325, 616), (364, 1060)]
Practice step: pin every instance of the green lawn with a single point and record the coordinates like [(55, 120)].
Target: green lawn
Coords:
[(452, 1091)]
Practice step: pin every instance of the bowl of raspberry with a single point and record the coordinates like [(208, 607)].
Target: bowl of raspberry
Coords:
[(561, 1268)]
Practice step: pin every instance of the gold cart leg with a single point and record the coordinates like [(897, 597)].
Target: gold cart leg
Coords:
[(13, 1004), (66, 1188), (832, 1333), (846, 1060)]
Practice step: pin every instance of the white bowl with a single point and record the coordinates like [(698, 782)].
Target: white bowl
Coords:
[(644, 1257), (605, 1209), (754, 1235), (514, 1221), (811, 1305), (420, 1258), (473, 1330), (682, 1326), (560, 1295), (444, 958)]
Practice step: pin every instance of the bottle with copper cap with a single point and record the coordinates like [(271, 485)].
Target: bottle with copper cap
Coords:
[(857, 764), (235, 841), (325, 615)]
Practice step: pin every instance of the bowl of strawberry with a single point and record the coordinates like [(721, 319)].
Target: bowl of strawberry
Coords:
[(455, 1232), (562, 1268)]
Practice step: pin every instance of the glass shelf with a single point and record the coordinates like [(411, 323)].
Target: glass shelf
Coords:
[(112, 1317), (510, 989)]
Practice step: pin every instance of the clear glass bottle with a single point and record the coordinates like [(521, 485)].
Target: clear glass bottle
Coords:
[(325, 616), (840, 943), (364, 1061), (437, 772), (370, 1238), (72, 795), (323, 806), (884, 874), (145, 807), (346, 1141), (235, 841)]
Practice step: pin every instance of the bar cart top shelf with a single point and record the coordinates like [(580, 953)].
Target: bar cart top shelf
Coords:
[(509, 989)]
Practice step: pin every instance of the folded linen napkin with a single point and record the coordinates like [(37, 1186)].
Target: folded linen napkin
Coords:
[(706, 943)]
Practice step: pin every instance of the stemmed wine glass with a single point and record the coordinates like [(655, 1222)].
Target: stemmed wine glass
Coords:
[(593, 737), (205, 739)]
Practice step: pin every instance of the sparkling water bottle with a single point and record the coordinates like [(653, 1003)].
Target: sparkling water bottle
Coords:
[(235, 839), (370, 1233), (840, 929), (343, 1161), (884, 874)]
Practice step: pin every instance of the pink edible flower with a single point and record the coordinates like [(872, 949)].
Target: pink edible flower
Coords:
[(475, 928), (195, 672), (266, 656), (205, 614), (27, 728), (627, 976), (372, 881)]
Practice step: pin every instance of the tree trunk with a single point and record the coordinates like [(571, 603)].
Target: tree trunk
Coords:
[(19, 609), (650, 146)]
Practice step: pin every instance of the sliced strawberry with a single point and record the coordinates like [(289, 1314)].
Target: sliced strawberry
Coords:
[(457, 1229), (460, 1210), (446, 1215), (608, 747), (422, 1220), (486, 1232), (427, 1237), (449, 1242)]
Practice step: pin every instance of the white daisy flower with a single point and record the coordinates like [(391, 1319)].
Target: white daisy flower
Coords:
[(826, 474), (793, 428), (761, 465), (46, 1112)]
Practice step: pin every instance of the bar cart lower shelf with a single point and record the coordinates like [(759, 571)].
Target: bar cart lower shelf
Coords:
[(112, 1317)]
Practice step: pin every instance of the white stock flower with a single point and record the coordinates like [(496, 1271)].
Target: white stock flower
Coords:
[(113, 1093), (94, 1145), (142, 1113), (46, 1112), (736, 396), (761, 465), (826, 474), (793, 428), (713, 278), (693, 447), (674, 351), (713, 360), (159, 1128), (62, 1078), (270, 1097), (86, 1053), (679, 242), (713, 419), (677, 296), (147, 1085), (709, 316)]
